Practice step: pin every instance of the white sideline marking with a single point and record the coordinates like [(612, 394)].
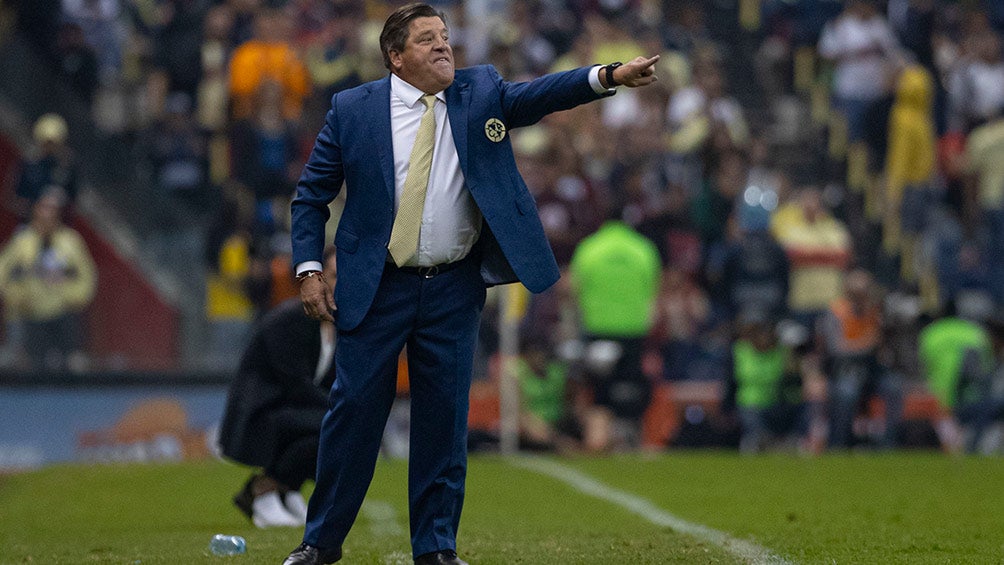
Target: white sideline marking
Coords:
[(383, 523), (397, 558), (382, 518), (747, 551)]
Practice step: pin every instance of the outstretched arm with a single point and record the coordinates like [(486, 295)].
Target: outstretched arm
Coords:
[(525, 103)]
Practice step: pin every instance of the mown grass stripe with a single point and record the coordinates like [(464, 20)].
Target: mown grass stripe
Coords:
[(745, 550)]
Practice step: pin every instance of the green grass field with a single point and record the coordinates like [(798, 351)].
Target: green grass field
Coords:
[(854, 508)]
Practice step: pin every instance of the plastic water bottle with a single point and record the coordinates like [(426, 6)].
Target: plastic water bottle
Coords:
[(222, 544)]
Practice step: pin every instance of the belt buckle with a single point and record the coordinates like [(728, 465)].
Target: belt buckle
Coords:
[(428, 272)]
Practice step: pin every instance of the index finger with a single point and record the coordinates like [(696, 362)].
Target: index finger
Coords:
[(651, 61)]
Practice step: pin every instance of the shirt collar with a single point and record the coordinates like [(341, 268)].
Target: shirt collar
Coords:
[(408, 94)]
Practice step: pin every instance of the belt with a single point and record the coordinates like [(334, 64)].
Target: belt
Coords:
[(427, 272)]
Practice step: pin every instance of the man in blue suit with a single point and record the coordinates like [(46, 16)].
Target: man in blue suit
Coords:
[(435, 211)]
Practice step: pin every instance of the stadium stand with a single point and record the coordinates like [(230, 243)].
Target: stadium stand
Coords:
[(751, 111)]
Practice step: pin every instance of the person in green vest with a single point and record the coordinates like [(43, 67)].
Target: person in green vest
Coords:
[(763, 385), (546, 421), (615, 277), (959, 360)]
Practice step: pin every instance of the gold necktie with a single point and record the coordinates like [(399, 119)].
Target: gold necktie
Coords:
[(408, 222)]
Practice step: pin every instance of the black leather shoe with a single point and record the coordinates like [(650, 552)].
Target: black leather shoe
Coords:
[(309, 555), (445, 557)]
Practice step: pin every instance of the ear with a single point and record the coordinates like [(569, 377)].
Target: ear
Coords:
[(395, 59)]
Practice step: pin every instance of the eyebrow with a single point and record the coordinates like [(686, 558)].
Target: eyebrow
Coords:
[(434, 31)]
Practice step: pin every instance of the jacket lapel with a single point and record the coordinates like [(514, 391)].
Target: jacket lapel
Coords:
[(378, 114), (458, 101)]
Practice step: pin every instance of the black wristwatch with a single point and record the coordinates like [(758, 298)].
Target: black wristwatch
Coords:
[(610, 74)]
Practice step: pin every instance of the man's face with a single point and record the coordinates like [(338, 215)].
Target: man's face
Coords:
[(46, 215), (427, 59)]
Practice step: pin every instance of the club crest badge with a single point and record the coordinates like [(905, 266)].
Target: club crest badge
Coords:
[(495, 130)]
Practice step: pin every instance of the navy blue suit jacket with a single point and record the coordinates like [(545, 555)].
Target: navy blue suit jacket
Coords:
[(355, 146)]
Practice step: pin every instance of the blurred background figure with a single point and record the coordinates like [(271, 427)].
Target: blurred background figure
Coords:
[(753, 271), (269, 56), (228, 307), (179, 32), (176, 152), (615, 276), (51, 162), (47, 279), (909, 171), (77, 59), (215, 47), (704, 121), (269, 283), (103, 28), (275, 406), (682, 314), (764, 385), (982, 163), (546, 418), (851, 333), (819, 249), (332, 45), (960, 360), (864, 50), (976, 87), (264, 152)]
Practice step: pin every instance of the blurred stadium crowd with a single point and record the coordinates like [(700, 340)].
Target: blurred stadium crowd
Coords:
[(808, 188)]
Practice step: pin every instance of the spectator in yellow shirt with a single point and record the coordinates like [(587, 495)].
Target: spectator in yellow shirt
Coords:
[(819, 248), (47, 279)]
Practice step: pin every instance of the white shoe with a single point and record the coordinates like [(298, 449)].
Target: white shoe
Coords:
[(267, 511), (296, 505)]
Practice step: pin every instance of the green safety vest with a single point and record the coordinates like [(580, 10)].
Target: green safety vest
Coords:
[(758, 374)]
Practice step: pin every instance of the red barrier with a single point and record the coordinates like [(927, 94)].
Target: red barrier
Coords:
[(129, 325)]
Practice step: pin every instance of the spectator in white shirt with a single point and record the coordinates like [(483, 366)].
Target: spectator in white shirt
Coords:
[(866, 53)]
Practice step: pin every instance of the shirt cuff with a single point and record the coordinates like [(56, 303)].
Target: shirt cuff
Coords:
[(308, 266), (594, 81)]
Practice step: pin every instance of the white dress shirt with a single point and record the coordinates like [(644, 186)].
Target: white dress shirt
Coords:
[(451, 221)]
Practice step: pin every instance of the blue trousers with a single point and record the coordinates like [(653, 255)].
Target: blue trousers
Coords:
[(437, 318)]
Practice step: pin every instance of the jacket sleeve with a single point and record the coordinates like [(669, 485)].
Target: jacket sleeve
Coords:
[(525, 103), (319, 184)]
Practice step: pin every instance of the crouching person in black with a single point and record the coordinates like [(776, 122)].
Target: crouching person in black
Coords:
[(275, 407)]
